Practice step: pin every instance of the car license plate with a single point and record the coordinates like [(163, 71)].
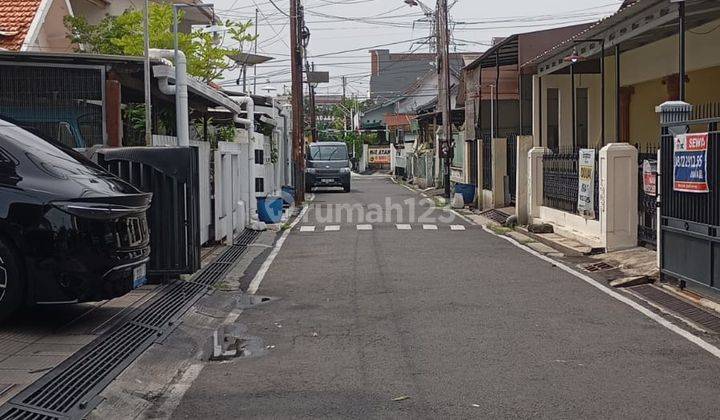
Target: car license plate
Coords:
[(139, 276), (327, 180)]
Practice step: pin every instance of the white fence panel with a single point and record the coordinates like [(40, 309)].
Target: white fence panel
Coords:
[(230, 212)]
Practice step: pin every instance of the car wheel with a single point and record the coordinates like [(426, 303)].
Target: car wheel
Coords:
[(12, 283), (346, 187)]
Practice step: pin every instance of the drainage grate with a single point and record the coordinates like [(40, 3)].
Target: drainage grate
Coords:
[(71, 390), (597, 267), (247, 237), (22, 414), (496, 216), (699, 316)]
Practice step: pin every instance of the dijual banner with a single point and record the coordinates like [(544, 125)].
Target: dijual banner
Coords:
[(690, 163), (586, 185)]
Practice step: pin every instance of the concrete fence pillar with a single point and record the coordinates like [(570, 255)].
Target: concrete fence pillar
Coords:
[(499, 171), (534, 181), (524, 145), (362, 166), (618, 196), (393, 161)]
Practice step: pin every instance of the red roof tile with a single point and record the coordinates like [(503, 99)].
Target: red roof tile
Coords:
[(16, 16)]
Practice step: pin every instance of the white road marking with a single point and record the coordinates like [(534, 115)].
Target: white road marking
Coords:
[(364, 227), (403, 227), (332, 228), (457, 227), (615, 295), (430, 227), (307, 228), (177, 391), (255, 283)]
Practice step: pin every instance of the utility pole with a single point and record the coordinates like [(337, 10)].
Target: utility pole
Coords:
[(344, 96), (148, 93), (297, 101), (313, 113), (444, 89), (256, 45)]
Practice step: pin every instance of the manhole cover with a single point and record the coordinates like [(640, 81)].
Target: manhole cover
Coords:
[(597, 267), (496, 216), (678, 306)]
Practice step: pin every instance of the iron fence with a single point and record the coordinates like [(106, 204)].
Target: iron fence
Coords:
[(487, 163), (697, 208), (561, 181), (473, 159), (647, 200), (690, 221), (422, 168)]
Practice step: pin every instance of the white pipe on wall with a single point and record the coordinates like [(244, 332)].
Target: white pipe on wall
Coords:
[(249, 123), (179, 90)]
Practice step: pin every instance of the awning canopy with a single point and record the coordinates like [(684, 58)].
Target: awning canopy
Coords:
[(505, 53), (633, 26), (458, 117)]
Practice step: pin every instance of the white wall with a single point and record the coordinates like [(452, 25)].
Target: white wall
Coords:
[(51, 35)]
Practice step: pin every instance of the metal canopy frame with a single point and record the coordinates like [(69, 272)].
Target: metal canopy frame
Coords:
[(506, 53)]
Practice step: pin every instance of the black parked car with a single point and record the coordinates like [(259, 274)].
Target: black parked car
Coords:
[(327, 165), (69, 231)]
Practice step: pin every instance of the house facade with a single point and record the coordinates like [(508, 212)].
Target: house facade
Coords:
[(605, 100), (34, 25)]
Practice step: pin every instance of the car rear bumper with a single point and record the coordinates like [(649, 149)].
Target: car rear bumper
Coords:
[(86, 260), (328, 180)]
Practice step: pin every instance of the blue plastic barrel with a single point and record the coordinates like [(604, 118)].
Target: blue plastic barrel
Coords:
[(467, 191), (288, 194), (270, 209)]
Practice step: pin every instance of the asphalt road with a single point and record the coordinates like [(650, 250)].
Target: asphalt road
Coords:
[(462, 323)]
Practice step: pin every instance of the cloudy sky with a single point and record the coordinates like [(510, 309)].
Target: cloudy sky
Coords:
[(344, 31)]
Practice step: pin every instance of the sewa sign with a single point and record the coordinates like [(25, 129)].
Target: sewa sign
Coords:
[(690, 163)]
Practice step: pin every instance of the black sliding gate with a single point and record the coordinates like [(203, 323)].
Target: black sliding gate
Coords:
[(690, 221), (171, 174)]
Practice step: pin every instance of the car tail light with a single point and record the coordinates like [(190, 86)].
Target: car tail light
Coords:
[(97, 210)]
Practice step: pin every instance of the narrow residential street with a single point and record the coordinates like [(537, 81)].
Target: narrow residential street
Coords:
[(223, 209), (417, 323)]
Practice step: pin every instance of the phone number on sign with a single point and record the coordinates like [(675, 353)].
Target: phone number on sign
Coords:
[(689, 161)]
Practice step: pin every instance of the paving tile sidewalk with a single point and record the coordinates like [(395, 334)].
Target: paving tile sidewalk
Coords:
[(40, 338)]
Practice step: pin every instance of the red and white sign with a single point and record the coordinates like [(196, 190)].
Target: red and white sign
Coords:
[(650, 177)]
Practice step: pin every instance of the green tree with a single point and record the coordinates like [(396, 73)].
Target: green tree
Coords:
[(334, 128), (123, 35)]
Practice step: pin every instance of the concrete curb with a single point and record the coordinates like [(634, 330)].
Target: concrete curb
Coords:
[(561, 248)]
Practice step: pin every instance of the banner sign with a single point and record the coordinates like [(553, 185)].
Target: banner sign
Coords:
[(586, 189), (649, 170), (379, 156), (690, 163)]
